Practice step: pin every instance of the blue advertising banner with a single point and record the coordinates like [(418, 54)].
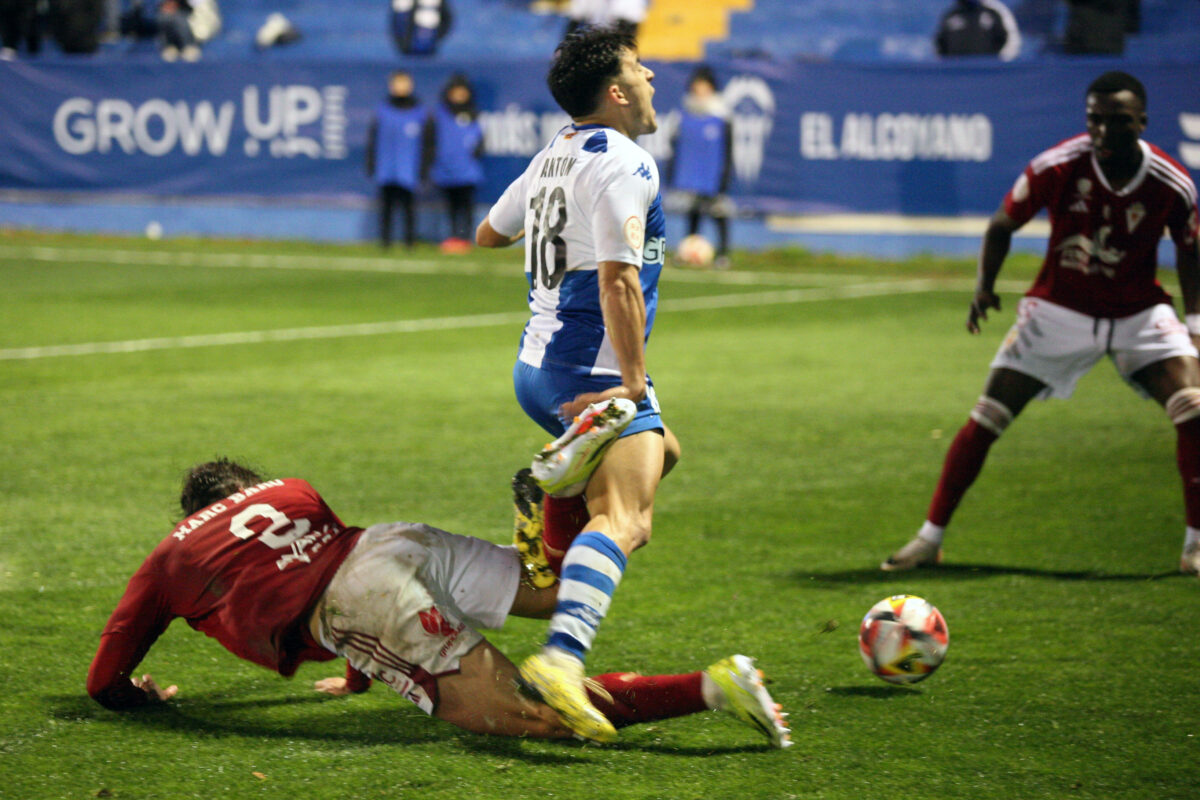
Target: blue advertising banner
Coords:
[(913, 139)]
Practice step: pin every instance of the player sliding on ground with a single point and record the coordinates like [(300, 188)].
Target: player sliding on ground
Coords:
[(1110, 195), (589, 209), (268, 570)]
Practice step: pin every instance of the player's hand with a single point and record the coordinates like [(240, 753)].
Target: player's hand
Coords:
[(333, 686), (984, 299), (574, 408), (153, 690)]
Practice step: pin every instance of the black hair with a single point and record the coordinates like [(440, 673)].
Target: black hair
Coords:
[(703, 73), (582, 65), (1116, 81), (205, 484)]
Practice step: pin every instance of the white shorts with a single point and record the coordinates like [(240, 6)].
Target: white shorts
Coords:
[(1057, 345), (403, 606)]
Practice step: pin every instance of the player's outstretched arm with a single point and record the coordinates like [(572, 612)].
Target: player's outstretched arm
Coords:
[(487, 236), (996, 242), (624, 310)]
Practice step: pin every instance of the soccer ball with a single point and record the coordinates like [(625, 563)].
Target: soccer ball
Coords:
[(695, 250), (903, 639)]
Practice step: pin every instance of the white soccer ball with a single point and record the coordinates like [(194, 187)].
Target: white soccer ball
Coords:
[(154, 230), (903, 639), (695, 250)]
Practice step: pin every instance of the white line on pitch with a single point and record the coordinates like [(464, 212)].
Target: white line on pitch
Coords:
[(475, 321), (399, 265)]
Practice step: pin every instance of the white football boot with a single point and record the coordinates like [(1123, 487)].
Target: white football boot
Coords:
[(917, 553), (1189, 562), (565, 464), (743, 695)]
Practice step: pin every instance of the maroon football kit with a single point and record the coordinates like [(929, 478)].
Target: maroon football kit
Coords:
[(1103, 250), (246, 571)]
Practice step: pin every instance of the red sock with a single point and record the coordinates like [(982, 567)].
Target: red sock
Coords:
[(645, 698), (1187, 455), (563, 519), (961, 468)]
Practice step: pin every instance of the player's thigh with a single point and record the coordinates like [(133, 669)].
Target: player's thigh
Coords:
[(1012, 389), (482, 697), (1164, 378)]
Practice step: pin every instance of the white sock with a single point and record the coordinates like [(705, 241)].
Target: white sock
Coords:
[(714, 698), (932, 533), (1191, 537)]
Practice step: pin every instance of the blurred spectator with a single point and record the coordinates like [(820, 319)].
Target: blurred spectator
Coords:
[(110, 20), (703, 149), (454, 147), (183, 25), (624, 15), (75, 25), (19, 27), (394, 154), (978, 28), (418, 25), (1097, 27)]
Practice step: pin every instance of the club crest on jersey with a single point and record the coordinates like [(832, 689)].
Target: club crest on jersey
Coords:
[(635, 232), (1133, 215)]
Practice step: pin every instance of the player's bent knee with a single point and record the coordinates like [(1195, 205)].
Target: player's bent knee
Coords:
[(1184, 405), (991, 414)]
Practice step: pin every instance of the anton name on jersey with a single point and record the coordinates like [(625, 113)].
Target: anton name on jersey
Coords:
[(557, 166)]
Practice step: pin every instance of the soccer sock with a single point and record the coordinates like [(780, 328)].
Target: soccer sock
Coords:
[(963, 463), (645, 698), (932, 533), (1187, 456), (591, 571), (562, 520)]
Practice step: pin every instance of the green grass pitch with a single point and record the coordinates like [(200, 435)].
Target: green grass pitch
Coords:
[(814, 398)]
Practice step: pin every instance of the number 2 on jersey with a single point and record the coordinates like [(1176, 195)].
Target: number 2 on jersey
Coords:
[(544, 233)]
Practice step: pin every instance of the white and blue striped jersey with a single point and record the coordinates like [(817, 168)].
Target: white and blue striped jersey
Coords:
[(590, 195)]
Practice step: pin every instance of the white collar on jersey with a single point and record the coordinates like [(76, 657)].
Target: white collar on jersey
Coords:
[(1137, 179)]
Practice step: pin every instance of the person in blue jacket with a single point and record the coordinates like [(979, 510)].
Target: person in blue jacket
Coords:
[(703, 149), (394, 154), (453, 149)]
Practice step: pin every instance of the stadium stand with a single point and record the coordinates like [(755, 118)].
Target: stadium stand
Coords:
[(778, 30)]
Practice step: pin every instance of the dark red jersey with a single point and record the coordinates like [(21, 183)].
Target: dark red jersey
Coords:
[(246, 571), (1102, 257)]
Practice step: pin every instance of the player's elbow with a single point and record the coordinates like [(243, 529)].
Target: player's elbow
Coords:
[(487, 236)]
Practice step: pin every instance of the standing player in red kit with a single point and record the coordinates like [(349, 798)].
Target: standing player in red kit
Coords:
[(268, 570), (1109, 195)]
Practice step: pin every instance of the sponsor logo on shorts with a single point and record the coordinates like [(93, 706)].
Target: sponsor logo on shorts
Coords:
[(435, 624)]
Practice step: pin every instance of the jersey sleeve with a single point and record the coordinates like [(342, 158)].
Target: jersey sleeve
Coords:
[(507, 216), (619, 216), (1028, 195), (139, 619), (1183, 222)]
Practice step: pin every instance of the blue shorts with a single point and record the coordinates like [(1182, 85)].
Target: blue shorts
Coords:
[(541, 391)]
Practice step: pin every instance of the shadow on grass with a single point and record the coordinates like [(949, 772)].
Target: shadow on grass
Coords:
[(953, 572), (217, 716)]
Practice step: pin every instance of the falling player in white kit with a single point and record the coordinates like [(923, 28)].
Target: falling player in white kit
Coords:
[(590, 210), (1110, 196)]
